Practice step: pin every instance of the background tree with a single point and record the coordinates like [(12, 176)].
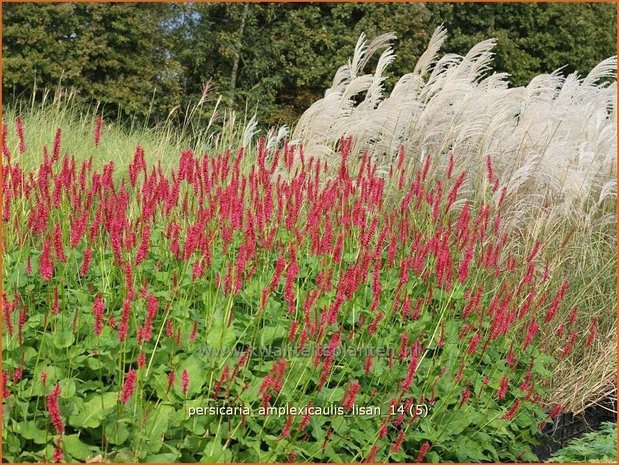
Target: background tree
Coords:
[(533, 38), (144, 60), (117, 54)]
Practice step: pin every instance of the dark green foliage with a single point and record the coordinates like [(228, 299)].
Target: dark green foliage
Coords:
[(144, 60), (599, 446), (116, 54), (533, 38)]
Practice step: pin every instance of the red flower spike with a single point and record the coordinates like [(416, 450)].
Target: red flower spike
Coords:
[(425, 447), (185, 382), (504, 384), (46, 266), (98, 124), (398, 442), (128, 387), (58, 453), (512, 411), (54, 410), (98, 309), (592, 330), (372, 455), (20, 134)]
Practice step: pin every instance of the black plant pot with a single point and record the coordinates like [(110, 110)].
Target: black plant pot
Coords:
[(568, 426)]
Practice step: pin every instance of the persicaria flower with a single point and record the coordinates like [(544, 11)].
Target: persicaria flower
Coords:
[(368, 364), (58, 453), (169, 328), (377, 319), (124, 321), (171, 378), (531, 332), (425, 447), (5, 388), (86, 263), (98, 124), (293, 330), (20, 134), (512, 411), (556, 410), (474, 343), (152, 306), (556, 301), (55, 303), (194, 331), (525, 383), (291, 274), (128, 387), (465, 396), (141, 359), (46, 266), (372, 455), (535, 251), (286, 429), (185, 382), (570, 345), (398, 442), (54, 410), (351, 393), (5, 149), (56, 149), (503, 387), (592, 329), (572, 316), (98, 309), (144, 244)]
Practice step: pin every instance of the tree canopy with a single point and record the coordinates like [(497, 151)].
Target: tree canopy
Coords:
[(143, 60)]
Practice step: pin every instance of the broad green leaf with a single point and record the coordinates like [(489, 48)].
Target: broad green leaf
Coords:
[(63, 339), (77, 449), (28, 430), (214, 452), (95, 411), (220, 335), (116, 431), (67, 388), (156, 426)]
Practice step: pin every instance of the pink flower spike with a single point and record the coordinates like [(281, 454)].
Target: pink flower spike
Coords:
[(54, 410), (98, 124), (185, 382), (128, 387)]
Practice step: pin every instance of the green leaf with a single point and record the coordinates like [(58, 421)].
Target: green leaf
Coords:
[(196, 371), (116, 431), (77, 449), (220, 336), (468, 450), (28, 430), (156, 426), (168, 457), (63, 339), (95, 411), (214, 452), (271, 333), (67, 388)]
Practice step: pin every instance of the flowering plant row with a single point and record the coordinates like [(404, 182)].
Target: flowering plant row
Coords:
[(377, 318)]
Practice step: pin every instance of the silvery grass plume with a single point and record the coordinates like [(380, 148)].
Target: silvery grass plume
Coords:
[(554, 139)]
